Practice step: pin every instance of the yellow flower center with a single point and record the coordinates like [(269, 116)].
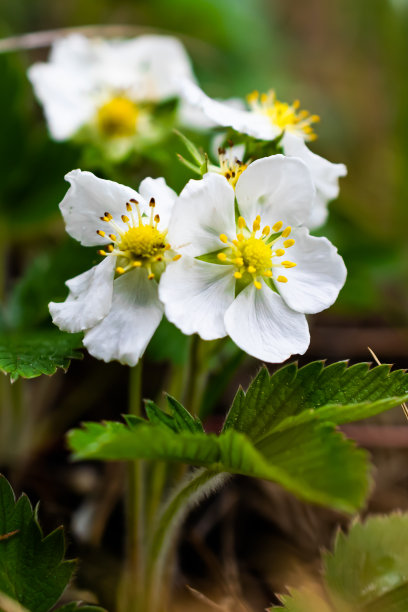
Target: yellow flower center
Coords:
[(255, 257), (143, 242), (118, 118), (141, 245), (232, 170), (284, 116)]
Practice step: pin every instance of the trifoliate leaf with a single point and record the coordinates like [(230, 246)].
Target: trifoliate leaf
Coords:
[(34, 353), (336, 393), (32, 568), (326, 468)]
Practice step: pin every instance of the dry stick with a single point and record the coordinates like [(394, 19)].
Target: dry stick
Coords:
[(403, 405), (37, 40)]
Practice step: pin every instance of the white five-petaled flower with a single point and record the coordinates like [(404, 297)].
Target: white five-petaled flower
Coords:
[(108, 87), (116, 302), (266, 119), (243, 275)]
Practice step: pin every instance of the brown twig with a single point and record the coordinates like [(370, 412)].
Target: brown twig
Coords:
[(403, 405)]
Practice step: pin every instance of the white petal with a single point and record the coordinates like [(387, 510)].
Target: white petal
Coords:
[(65, 98), (222, 113), (196, 295), (125, 332), (89, 299), (278, 188), (325, 176), (203, 211), (261, 324), (164, 196), (320, 273), (87, 199), (159, 65)]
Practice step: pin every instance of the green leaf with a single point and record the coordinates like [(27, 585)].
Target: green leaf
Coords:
[(32, 568), (336, 393), (168, 344), (325, 469), (366, 572), (34, 353), (370, 563)]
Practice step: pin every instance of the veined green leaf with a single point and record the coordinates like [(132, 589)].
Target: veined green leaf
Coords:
[(326, 468), (336, 393), (33, 353), (32, 568)]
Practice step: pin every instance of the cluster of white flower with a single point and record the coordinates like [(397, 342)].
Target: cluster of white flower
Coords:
[(232, 254)]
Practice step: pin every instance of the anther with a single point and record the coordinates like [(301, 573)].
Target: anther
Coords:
[(251, 269), (240, 237), (106, 219), (152, 202), (227, 176), (108, 216), (112, 237), (282, 279), (137, 264), (157, 218), (288, 264), (239, 261), (268, 273), (279, 252), (102, 252), (125, 219), (128, 207), (238, 275), (257, 284), (266, 230), (288, 243), (100, 233), (223, 238), (222, 256), (110, 248), (277, 226), (134, 201), (167, 247), (286, 232), (241, 222), (177, 257), (151, 276), (256, 225), (120, 270)]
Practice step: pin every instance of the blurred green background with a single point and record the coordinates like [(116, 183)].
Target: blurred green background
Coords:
[(346, 61)]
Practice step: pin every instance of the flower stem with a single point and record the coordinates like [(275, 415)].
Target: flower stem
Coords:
[(131, 593)]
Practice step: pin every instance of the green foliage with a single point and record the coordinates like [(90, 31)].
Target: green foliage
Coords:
[(293, 409), (336, 393), (32, 568), (367, 571), (39, 352), (168, 344)]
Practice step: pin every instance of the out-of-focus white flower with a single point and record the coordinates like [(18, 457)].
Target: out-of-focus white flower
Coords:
[(235, 277), (109, 87), (116, 302), (266, 119)]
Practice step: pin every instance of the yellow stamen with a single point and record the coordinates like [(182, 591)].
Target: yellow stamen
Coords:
[(137, 264), (251, 269), (177, 257), (282, 279), (110, 248), (268, 273), (286, 232), (222, 256), (223, 238), (258, 285), (288, 264), (266, 230), (238, 275), (277, 226), (241, 222), (256, 225), (125, 219), (288, 243), (101, 233), (279, 252), (120, 270), (112, 237), (151, 276), (102, 252)]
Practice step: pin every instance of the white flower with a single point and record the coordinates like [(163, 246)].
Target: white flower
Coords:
[(106, 85), (116, 302), (267, 119), (232, 276)]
